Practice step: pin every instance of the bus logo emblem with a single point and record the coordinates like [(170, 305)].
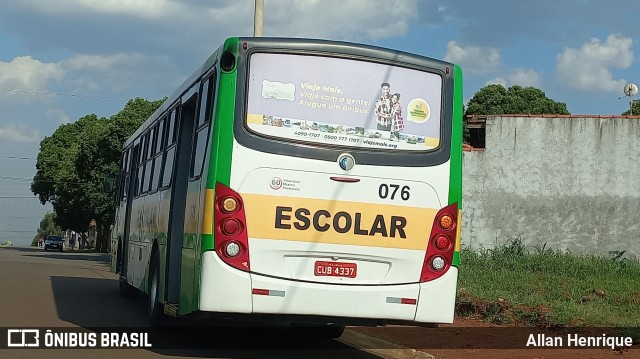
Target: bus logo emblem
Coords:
[(346, 161)]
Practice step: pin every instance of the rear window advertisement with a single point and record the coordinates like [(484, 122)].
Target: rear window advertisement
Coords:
[(345, 102)]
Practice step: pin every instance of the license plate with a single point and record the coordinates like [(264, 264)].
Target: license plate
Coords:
[(335, 269)]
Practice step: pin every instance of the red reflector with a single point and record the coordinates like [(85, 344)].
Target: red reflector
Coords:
[(345, 179), (442, 242), (260, 291), (230, 226), (408, 301)]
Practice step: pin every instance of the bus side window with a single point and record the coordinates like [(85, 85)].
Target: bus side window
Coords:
[(138, 168), (168, 159), (124, 176), (144, 164), (151, 168), (157, 161), (201, 135)]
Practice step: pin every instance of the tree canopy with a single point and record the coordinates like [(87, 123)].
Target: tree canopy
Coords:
[(47, 227), (635, 107), (74, 160), (496, 100)]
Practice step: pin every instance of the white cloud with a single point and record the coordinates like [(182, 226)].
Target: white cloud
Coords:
[(589, 68), (335, 19), (58, 115), (525, 78), (497, 81), (25, 73), (473, 59), (103, 63), (138, 8), (112, 73), (19, 133), (339, 19)]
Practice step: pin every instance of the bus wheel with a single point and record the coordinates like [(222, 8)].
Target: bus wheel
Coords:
[(155, 311), (127, 291)]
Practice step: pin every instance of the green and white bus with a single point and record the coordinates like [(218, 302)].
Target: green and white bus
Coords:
[(299, 180)]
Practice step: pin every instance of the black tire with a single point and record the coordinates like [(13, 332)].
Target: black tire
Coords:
[(155, 310), (119, 257)]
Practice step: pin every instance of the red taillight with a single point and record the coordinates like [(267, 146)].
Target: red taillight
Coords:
[(442, 242), (439, 254), (230, 237)]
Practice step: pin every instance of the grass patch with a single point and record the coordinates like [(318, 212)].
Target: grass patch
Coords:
[(547, 288)]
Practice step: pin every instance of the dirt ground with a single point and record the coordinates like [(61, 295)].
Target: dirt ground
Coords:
[(465, 336)]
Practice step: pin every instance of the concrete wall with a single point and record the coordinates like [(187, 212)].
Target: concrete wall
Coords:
[(570, 182)]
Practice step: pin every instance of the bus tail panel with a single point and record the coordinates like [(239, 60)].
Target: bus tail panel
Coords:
[(226, 290), (306, 225)]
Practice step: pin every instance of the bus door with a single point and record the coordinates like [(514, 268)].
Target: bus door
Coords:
[(131, 188), (178, 213)]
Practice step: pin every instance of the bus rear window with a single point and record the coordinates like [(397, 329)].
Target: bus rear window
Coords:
[(343, 102)]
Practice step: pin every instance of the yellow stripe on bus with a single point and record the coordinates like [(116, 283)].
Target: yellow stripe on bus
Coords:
[(337, 222), (207, 221), (459, 231)]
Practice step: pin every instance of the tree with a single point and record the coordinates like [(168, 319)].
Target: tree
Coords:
[(635, 107), (496, 100), (47, 227), (74, 160), (100, 148), (56, 180)]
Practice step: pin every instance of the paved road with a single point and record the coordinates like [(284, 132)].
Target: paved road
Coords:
[(76, 290)]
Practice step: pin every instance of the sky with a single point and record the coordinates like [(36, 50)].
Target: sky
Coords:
[(63, 59)]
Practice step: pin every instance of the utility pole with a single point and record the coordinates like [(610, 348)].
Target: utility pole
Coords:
[(258, 18), (630, 90)]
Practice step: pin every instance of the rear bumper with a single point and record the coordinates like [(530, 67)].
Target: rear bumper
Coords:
[(228, 290)]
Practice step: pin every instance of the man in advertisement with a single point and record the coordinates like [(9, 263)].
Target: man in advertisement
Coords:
[(383, 108)]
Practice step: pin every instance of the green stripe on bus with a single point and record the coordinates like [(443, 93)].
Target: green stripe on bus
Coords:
[(455, 174), (222, 135)]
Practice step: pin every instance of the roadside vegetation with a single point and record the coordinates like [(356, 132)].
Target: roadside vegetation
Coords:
[(547, 288)]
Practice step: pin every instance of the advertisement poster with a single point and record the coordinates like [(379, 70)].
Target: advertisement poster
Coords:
[(344, 102)]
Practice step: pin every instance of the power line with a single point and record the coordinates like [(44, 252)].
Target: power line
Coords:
[(31, 179), (63, 94), (16, 157), (15, 197)]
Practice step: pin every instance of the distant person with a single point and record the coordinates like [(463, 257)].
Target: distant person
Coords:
[(83, 240)]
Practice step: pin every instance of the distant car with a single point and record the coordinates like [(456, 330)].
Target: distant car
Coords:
[(53, 242)]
